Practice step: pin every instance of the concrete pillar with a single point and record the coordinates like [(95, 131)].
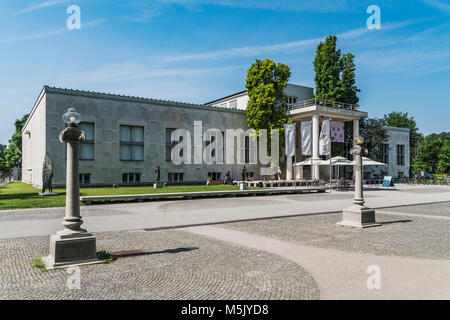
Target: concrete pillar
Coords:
[(72, 245), (289, 168), (358, 215), (315, 146), (72, 219), (355, 131)]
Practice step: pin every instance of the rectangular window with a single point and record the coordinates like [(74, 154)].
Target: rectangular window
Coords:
[(385, 153), (131, 143), (85, 178), (249, 175), (292, 100), (214, 175), (170, 144), (131, 177), (400, 155), (87, 146), (247, 149), (175, 176)]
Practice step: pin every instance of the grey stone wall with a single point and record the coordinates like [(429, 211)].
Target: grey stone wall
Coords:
[(108, 112)]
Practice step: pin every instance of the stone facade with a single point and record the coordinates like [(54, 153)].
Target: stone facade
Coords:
[(107, 112), (398, 161)]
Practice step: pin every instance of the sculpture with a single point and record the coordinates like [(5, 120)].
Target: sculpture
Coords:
[(47, 175), (157, 173), (227, 178)]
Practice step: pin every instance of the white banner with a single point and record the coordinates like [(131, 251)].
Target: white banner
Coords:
[(306, 138), (289, 130), (325, 139)]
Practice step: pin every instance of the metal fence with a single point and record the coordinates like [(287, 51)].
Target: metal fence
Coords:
[(322, 103)]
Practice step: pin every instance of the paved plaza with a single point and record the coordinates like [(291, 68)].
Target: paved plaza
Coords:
[(271, 247)]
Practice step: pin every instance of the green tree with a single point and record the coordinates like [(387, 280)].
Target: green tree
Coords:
[(374, 135), (265, 83), (347, 84), (403, 120), (428, 156), (14, 151), (327, 68), (444, 158), (335, 74)]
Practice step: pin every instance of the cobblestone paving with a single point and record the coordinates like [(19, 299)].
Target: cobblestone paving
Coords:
[(436, 209), (399, 235), (174, 264)]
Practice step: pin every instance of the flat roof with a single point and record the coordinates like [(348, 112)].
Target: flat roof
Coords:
[(241, 92), (227, 97), (118, 97)]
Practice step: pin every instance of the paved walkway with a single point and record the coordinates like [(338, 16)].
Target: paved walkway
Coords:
[(169, 264), (343, 275), (161, 214)]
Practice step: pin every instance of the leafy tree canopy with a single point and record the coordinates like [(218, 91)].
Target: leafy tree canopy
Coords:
[(265, 83), (13, 154), (434, 154), (335, 74), (374, 134)]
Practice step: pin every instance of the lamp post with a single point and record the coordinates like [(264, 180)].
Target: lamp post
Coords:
[(72, 245), (358, 215)]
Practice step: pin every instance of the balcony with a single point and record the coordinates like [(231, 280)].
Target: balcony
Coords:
[(321, 103)]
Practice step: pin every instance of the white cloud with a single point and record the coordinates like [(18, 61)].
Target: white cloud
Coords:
[(49, 33), (42, 5), (283, 5), (250, 51), (441, 5), (140, 70)]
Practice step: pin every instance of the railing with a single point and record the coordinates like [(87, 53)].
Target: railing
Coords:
[(322, 103)]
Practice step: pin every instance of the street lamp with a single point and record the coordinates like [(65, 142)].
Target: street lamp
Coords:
[(358, 215), (72, 245)]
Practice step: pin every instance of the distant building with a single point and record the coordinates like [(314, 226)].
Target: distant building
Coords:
[(396, 152), (295, 94)]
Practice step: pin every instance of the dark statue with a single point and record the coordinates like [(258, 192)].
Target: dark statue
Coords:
[(47, 174), (157, 173), (227, 178), (244, 173)]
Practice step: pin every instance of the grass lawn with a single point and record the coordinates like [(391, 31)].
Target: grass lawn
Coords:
[(18, 195)]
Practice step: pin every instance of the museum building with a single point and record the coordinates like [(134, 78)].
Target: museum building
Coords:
[(127, 137)]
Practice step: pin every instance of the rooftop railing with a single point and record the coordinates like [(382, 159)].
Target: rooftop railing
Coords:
[(322, 103)]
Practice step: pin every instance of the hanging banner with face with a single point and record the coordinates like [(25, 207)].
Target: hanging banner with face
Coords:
[(289, 130), (306, 138), (325, 139), (337, 131)]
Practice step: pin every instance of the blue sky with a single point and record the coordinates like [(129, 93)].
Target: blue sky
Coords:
[(199, 50)]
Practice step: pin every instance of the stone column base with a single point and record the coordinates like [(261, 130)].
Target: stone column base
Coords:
[(157, 185), (243, 186), (358, 217), (73, 249)]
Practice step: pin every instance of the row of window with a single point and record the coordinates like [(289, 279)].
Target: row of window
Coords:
[(130, 178), (400, 154), (132, 143)]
